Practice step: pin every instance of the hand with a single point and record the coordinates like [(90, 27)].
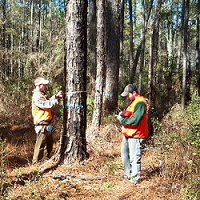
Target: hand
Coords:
[(119, 115), (59, 94)]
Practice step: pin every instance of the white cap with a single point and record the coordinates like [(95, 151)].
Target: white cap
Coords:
[(40, 80)]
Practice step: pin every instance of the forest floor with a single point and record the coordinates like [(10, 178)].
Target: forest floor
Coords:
[(98, 177)]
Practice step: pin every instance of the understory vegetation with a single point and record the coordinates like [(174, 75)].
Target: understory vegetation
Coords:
[(178, 138), (170, 162)]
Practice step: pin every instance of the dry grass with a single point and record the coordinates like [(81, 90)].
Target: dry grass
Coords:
[(165, 167)]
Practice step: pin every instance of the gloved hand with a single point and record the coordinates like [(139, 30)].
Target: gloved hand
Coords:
[(59, 94)]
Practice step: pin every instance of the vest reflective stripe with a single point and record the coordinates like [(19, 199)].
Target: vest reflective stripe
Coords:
[(38, 113), (140, 130)]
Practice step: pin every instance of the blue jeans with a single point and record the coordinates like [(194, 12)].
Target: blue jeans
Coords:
[(131, 157)]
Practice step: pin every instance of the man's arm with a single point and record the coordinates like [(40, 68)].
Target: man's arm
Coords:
[(139, 111), (43, 103)]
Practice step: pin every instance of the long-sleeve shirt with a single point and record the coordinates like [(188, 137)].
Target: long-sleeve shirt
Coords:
[(42, 102), (137, 115)]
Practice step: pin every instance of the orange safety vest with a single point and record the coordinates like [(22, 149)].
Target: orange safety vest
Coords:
[(140, 130), (39, 114)]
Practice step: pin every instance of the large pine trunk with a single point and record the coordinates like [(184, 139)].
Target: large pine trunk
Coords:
[(140, 48), (92, 36), (121, 28), (112, 56), (74, 139), (185, 58), (96, 120), (132, 66), (197, 49), (153, 65)]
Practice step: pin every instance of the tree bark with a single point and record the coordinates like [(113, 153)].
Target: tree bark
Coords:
[(142, 49), (185, 56), (112, 56), (4, 5), (31, 46), (11, 42), (75, 101), (181, 35), (153, 65), (142, 39), (50, 38), (197, 48), (121, 28), (39, 32), (96, 120), (92, 36), (131, 41)]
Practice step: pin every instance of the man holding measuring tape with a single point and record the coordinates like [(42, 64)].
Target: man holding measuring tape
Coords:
[(42, 116)]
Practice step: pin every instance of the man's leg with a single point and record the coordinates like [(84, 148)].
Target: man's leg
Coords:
[(135, 158), (39, 147), (49, 143), (125, 157)]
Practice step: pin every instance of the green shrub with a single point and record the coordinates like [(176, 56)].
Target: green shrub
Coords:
[(3, 178), (193, 116), (192, 113), (178, 138), (90, 107)]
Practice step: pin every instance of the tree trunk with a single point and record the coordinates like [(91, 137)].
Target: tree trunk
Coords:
[(92, 32), (39, 32), (142, 49), (197, 48), (121, 39), (4, 23), (153, 65), (74, 147), (185, 56), (11, 43), (22, 27), (4, 5), (96, 120), (132, 73), (121, 28), (142, 39), (31, 46), (50, 38), (112, 56), (181, 35)]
